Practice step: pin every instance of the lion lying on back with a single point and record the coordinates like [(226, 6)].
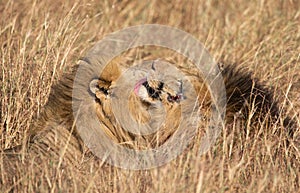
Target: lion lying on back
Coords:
[(54, 135)]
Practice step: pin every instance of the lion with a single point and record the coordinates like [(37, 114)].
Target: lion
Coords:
[(53, 134)]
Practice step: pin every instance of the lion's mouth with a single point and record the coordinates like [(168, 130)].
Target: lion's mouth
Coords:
[(138, 85)]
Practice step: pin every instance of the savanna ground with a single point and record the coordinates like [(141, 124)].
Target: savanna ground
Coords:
[(41, 39)]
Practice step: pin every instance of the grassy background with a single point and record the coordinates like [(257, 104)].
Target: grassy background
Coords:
[(39, 40)]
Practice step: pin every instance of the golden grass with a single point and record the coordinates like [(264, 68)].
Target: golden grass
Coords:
[(41, 39)]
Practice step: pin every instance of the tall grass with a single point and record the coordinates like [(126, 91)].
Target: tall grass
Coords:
[(39, 40)]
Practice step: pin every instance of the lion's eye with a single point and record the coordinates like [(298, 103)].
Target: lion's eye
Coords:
[(153, 93)]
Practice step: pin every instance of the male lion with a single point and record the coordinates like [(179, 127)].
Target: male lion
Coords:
[(54, 136)]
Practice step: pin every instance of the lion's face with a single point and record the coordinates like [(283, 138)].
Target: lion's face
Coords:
[(151, 101)]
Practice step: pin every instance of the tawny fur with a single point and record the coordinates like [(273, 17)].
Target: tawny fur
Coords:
[(54, 128)]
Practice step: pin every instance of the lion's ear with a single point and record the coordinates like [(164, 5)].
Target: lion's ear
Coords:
[(94, 86)]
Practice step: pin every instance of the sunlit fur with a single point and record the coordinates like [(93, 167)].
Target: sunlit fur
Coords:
[(54, 128)]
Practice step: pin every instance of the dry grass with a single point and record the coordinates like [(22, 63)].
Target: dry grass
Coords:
[(40, 39)]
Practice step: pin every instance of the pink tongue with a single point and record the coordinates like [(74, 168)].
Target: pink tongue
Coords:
[(138, 85)]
